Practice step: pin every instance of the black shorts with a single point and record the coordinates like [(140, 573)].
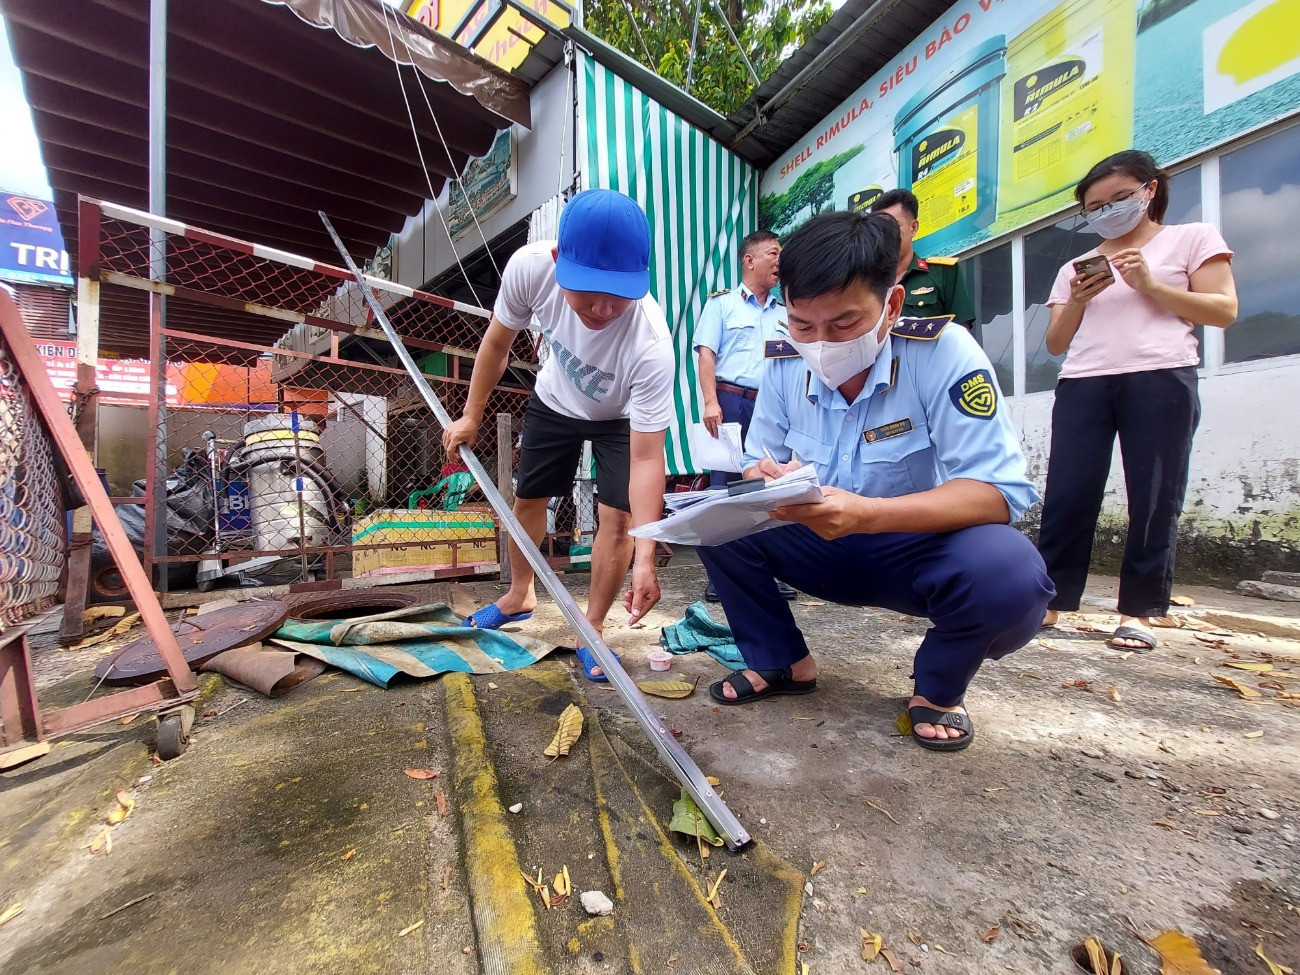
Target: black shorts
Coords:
[(552, 448)]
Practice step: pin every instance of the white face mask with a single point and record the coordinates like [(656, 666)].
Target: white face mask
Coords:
[(835, 363)]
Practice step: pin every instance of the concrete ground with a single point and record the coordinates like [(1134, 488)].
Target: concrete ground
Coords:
[(1107, 794)]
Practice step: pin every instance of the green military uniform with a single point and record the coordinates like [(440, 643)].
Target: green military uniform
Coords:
[(934, 286)]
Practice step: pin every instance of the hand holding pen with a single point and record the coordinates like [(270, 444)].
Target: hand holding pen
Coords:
[(769, 467)]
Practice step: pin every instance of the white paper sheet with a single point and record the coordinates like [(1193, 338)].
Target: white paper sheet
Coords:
[(725, 452), (717, 517)]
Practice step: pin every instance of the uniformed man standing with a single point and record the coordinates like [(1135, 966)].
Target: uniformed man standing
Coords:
[(730, 339), (931, 286), (922, 475)]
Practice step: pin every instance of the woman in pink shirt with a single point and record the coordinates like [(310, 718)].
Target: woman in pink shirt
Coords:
[(1126, 326)]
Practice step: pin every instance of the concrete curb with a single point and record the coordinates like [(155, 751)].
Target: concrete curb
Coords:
[(503, 914), (1277, 626)]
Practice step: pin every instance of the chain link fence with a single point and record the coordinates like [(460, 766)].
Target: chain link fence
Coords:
[(32, 529), (291, 442)]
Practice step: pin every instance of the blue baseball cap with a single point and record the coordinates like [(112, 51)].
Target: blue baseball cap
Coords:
[(604, 245)]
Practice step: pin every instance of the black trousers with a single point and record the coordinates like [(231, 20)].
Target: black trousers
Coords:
[(1155, 415)]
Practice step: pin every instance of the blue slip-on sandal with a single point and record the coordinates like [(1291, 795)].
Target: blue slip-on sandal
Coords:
[(490, 617), (590, 663)]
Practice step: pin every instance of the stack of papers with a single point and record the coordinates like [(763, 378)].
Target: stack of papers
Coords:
[(715, 517)]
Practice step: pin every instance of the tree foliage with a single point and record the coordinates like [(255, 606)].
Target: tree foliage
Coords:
[(658, 34)]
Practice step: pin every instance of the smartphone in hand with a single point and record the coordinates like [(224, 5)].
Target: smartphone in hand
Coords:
[(1088, 266)]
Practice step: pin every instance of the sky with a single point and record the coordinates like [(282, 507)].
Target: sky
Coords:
[(21, 169)]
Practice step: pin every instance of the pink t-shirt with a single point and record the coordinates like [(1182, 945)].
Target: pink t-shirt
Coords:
[(1124, 331)]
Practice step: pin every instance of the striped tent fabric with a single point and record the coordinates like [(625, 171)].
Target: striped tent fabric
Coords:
[(701, 200)]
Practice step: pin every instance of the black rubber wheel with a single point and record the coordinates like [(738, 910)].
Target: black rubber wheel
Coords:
[(172, 740)]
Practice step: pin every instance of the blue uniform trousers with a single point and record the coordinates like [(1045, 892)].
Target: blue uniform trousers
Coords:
[(735, 409), (984, 588)]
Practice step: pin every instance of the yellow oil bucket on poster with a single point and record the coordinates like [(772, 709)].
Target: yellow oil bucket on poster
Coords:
[(1067, 99), (505, 43)]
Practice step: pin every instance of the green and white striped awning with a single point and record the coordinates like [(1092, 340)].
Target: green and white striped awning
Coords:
[(701, 200)]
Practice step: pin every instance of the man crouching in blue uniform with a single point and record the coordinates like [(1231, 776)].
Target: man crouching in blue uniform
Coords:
[(922, 475)]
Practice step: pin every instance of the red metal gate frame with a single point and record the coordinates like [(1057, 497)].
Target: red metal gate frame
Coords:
[(25, 725)]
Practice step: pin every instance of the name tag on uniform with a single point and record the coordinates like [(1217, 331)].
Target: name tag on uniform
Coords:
[(778, 349), (922, 291), (895, 429)]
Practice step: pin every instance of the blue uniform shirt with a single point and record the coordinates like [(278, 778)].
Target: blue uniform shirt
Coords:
[(736, 327), (931, 411)]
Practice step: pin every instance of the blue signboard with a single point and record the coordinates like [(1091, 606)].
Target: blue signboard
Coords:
[(31, 244)]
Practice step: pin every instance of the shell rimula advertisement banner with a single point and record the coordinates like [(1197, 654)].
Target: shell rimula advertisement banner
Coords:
[(995, 112), (506, 43)]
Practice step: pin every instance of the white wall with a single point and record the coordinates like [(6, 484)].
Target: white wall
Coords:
[(545, 163), (1242, 513)]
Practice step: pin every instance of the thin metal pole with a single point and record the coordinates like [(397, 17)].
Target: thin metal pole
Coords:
[(158, 267), (686, 771)]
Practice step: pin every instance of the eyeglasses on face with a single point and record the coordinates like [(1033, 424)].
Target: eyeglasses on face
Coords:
[(1097, 209)]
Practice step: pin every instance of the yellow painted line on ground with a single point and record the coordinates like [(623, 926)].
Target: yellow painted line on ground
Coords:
[(503, 912), (601, 751)]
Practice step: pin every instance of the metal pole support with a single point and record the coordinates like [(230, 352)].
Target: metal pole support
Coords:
[(505, 482)]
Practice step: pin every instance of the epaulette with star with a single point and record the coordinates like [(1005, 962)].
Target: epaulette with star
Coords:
[(719, 294), (921, 328)]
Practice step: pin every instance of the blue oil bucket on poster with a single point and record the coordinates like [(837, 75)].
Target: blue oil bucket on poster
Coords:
[(234, 515), (946, 138)]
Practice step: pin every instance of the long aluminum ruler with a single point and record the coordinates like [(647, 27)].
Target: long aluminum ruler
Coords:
[(687, 772)]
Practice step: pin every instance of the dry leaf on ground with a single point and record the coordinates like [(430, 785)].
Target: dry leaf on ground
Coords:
[(894, 964), (1182, 600), (1114, 695), (1253, 734), (1241, 689), (103, 842), (1273, 967), (11, 912), (817, 868), (1179, 955), (349, 855), (667, 688), (1252, 666), (991, 934), (421, 773), (570, 728), (407, 930), (871, 944)]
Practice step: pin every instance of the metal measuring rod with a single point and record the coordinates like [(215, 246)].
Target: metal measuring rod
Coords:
[(686, 771)]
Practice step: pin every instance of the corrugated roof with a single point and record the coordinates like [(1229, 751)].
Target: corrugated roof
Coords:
[(860, 39), (269, 118)]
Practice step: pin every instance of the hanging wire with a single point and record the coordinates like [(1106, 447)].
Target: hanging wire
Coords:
[(415, 135), (569, 109), (419, 80)]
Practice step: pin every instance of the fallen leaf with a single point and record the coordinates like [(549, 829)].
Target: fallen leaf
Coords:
[(115, 816), (441, 797), (1081, 684), (545, 891), (817, 868), (667, 688), (128, 719), (1049, 646), (1179, 955), (882, 809), (349, 855), (11, 912), (1028, 675), (904, 724), (712, 780), (570, 728), (1213, 641), (991, 934), (894, 964), (871, 944), (407, 930), (1182, 600), (208, 714), (811, 602), (1252, 666), (103, 843), (688, 819), (124, 800), (1253, 734), (1113, 695), (916, 939), (446, 878), (421, 773), (713, 897), (1273, 967), (1241, 689), (493, 687), (351, 690)]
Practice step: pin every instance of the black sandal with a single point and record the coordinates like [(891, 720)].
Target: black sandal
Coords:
[(920, 714), (778, 682)]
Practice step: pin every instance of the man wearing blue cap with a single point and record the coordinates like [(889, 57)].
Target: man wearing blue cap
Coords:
[(608, 379)]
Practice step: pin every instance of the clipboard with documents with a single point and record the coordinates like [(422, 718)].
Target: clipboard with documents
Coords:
[(716, 517)]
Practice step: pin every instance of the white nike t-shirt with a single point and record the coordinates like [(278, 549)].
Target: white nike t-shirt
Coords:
[(622, 370)]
